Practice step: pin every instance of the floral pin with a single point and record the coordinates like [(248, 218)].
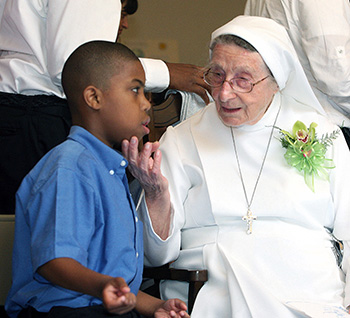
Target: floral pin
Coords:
[(307, 153)]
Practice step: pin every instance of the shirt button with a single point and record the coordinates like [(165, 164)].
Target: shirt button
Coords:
[(137, 255), (123, 163), (111, 172), (136, 219)]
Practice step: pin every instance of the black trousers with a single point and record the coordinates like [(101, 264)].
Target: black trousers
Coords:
[(83, 312), (29, 127)]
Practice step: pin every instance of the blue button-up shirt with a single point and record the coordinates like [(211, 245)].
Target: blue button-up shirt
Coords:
[(75, 203)]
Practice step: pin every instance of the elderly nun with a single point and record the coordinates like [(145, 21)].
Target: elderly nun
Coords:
[(253, 188)]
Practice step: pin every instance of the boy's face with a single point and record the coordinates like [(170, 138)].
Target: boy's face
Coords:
[(124, 106)]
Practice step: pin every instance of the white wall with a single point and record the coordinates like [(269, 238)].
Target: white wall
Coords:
[(178, 30)]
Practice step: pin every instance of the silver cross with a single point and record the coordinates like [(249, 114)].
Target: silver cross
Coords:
[(249, 218)]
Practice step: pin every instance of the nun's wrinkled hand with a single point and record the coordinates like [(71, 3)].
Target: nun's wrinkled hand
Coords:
[(144, 165)]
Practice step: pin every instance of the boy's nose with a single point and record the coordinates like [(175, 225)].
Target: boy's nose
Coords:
[(146, 105)]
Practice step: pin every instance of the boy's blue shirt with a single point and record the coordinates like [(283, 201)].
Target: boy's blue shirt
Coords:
[(74, 203)]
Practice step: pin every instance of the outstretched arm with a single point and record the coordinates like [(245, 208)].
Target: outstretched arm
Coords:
[(70, 274), (145, 166), (189, 78), (183, 77)]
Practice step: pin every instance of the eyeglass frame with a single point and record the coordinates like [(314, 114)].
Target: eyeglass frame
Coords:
[(230, 83)]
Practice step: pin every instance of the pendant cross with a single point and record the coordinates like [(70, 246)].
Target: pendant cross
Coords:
[(249, 218)]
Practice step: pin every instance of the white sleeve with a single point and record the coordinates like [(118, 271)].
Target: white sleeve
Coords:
[(325, 38), (254, 7), (158, 251), (72, 23), (340, 183), (157, 74), (346, 269)]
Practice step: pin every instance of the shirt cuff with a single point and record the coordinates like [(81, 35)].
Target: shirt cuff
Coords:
[(143, 213), (157, 75)]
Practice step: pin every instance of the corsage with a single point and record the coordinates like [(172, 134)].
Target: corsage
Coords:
[(307, 153)]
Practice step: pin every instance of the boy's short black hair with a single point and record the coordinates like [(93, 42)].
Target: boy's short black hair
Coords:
[(93, 63)]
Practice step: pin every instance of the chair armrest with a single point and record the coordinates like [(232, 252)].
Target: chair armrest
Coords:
[(195, 278), (184, 275)]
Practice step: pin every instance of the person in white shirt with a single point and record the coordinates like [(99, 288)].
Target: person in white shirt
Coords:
[(320, 32), (36, 37)]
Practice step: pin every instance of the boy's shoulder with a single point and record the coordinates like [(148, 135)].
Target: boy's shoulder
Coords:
[(57, 167), (82, 156), (64, 156), (68, 154)]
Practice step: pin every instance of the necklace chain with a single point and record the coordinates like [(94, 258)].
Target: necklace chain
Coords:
[(250, 217)]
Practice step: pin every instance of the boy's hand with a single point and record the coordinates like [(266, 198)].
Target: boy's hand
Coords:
[(117, 298), (172, 308)]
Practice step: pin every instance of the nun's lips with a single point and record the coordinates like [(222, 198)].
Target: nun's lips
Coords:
[(230, 110)]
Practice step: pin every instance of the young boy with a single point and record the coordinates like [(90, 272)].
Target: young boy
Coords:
[(78, 248)]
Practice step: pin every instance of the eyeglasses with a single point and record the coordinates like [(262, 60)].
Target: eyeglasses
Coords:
[(215, 78)]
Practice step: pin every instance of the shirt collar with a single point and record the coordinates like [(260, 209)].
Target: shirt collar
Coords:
[(110, 158)]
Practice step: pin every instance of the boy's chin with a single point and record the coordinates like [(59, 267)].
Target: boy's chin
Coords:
[(143, 136)]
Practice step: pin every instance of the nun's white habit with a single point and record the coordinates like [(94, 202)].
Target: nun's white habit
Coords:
[(286, 267)]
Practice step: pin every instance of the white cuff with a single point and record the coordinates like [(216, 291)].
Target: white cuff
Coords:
[(146, 219), (157, 75)]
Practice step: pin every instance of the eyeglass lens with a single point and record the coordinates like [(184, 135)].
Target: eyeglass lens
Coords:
[(216, 77)]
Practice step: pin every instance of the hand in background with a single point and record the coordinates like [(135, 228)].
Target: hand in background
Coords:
[(189, 78)]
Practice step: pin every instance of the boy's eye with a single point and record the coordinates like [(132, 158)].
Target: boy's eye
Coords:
[(136, 90)]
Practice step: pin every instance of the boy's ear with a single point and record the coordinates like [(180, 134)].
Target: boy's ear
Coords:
[(92, 97)]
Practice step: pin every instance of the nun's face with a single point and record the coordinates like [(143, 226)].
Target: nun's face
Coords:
[(236, 108)]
